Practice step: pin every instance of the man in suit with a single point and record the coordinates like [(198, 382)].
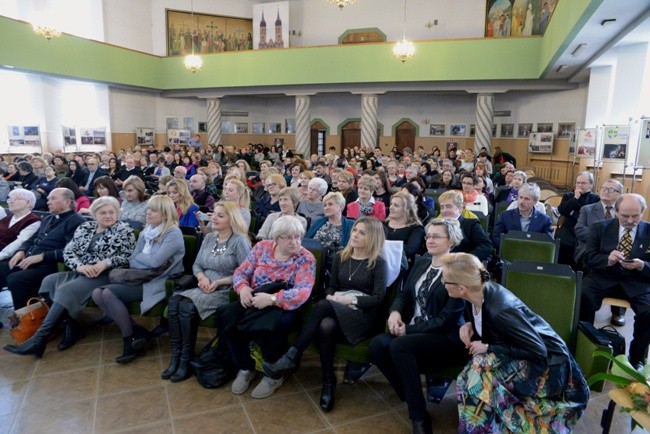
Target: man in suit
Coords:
[(39, 255), (618, 255), (523, 218), (591, 214), (475, 241), (94, 172), (128, 170), (569, 210)]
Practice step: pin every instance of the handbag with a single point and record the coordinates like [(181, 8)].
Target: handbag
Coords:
[(606, 336), (135, 276), (213, 367), (25, 321)]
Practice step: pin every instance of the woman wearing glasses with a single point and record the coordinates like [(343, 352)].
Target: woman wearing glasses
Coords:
[(268, 203), (522, 377), (423, 323), (351, 310)]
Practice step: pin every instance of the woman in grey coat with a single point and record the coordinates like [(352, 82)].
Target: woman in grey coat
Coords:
[(97, 246), (160, 244), (221, 253)]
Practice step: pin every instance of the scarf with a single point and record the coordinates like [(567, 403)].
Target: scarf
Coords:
[(366, 209), (150, 235), (470, 197)]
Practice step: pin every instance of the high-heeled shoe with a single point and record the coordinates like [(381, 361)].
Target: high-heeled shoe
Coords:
[(328, 392)]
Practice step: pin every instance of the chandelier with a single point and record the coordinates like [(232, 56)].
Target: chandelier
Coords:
[(341, 3), (404, 49), (47, 32), (193, 62)]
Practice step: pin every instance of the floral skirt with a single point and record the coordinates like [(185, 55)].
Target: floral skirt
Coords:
[(497, 394)]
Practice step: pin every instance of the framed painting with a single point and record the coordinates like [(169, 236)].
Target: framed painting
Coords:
[(241, 127), (457, 129), (544, 127), (524, 130), (507, 130), (259, 127), (565, 129), (206, 33), (437, 129)]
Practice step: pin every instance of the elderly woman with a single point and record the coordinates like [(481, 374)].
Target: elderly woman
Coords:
[(423, 323), (472, 197), (17, 228), (289, 198), (134, 205), (97, 246), (282, 258), (269, 202), (366, 205), (352, 308), (510, 194), (160, 246), (12, 174), (522, 377), (221, 253), (312, 205)]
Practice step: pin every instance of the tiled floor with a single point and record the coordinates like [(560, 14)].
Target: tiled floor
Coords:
[(82, 390)]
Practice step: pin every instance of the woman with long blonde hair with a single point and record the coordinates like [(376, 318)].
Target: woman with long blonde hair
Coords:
[(352, 307), (179, 192)]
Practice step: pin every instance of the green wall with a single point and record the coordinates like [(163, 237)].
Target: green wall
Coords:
[(446, 60)]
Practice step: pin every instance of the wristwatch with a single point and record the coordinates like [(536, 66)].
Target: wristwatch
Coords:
[(274, 300)]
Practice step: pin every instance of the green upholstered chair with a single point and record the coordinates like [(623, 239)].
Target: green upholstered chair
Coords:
[(553, 291), (483, 219), (529, 246), (320, 253)]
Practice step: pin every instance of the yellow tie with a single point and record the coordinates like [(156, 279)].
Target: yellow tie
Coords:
[(625, 245)]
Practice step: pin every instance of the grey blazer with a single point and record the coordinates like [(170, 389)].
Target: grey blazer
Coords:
[(589, 215)]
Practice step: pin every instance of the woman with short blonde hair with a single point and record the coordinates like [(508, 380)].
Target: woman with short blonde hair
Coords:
[(289, 198)]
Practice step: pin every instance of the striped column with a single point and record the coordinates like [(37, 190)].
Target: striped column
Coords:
[(484, 119), (214, 121), (369, 121), (303, 117)]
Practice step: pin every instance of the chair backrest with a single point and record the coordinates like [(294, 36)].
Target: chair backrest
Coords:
[(483, 219), (499, 208), (192, 246), (528, 246), (550, 290), (320, 253)]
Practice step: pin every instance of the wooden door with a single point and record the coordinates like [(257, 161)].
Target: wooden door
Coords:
[(317, 141), (405, 136), (351, 135)]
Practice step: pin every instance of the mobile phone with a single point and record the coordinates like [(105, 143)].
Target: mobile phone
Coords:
[(203, 216), (627, 260)]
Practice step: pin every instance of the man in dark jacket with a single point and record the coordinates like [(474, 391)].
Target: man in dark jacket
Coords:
[(40, 254)]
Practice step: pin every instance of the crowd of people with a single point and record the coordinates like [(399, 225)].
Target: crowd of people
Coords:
[(252, 208)]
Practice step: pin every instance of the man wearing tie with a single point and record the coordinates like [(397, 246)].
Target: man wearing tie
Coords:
[(591, 214), (94, 172), (618, 255)]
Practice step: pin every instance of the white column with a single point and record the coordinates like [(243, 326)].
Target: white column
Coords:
[(369, 104), (484, 118), (599, 98), (303, 117), (214, 121)]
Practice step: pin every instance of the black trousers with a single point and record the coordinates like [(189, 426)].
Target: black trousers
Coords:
[(402, 359), (24, 284), (595, 288)]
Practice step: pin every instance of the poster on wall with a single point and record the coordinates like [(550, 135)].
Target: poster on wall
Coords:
[(178, 137), (144, 136), (507, 130), (457, 129), (69, 135), (565, 130), (271, 25), (540, 143), (644, 145), (517, 17), (93, 136), (524, 130), (28, 135), (615, 139), (586, 142)]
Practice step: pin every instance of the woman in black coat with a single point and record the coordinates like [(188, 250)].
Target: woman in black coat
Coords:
[(423, 324)]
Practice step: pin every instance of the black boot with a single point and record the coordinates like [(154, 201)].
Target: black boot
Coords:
[(36, 344), (329, 390), (189, 324), (160, 329), (422, 426), (285, 365), (129, 353), (141, 337), (72, 332), (175, 339)]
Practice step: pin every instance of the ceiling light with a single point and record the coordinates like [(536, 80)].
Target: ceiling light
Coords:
[(608, 22), (561, 69), (404, 49), (341, 3), (43, 23), (193, 62), (579, 49)]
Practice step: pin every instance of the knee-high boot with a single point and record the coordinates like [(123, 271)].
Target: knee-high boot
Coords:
[(328, 392), (72, 332), (175, 339), (36, 344), (189, 322)]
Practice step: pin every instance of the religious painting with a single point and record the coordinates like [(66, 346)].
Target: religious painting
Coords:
[(518, 17), (271, 25), (565, 129), (204, 33)]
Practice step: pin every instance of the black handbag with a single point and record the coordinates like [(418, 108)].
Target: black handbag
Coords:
[(606, 336), (213, 367), (135, 276)]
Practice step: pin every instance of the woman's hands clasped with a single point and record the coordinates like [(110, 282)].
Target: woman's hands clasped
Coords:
[(466, 332), (92, 271), (396, 326)]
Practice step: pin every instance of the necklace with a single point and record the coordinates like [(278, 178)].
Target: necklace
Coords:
[(220, 249), (355, 271)]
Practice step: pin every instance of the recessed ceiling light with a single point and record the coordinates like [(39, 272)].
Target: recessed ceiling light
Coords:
[(607, 22), (579, 49), (8, 66), (561, 69)]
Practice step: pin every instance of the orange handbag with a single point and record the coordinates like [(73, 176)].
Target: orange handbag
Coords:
[(25, 321)]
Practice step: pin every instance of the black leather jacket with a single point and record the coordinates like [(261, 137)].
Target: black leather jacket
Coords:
[(511, 328)]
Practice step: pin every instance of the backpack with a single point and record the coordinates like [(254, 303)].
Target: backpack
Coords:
[(213, 367)]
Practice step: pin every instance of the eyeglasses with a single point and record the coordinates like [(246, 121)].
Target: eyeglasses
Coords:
[(291, 237), (450, 283), (435, 237), (609, 190)]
